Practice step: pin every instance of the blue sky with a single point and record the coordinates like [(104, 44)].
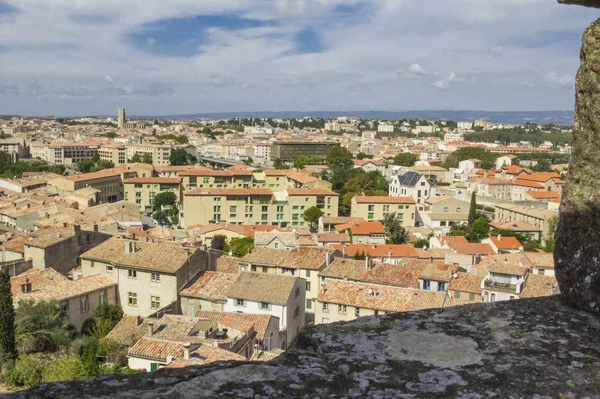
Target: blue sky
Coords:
[(62, 57)]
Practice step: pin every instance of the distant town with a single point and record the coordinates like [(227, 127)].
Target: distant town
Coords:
[(168, 243)]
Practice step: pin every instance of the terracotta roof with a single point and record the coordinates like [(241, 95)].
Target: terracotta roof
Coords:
[(448, 216), (173, 168), (363, 162), (48, 284), (262, 287), (438, 272), (204, 171), (466, 282), (384, 200), (544, 195), (164, 256), (526, 183), (228, 264), (362, 228), (333, 237), (451, 301), (540, 259), (152, 180), (509, 243), (16, 244), (130, 329), (156, 348), (429, 168), (261, 321), (429, 253), (221, 226), (97, 175), (541, 177), (384, 298), (492, 181), (209, 285), (230, 191), (511, 264), (266, 356), (341, 220), (462, 246), (206, 355), (309, 191), (514, 225), (537, 286), (380, 251), (311, 258)]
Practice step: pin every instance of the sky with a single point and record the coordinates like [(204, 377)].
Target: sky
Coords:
[(157, 57)]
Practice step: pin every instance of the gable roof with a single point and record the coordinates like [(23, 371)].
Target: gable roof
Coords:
[(505, 242), (409, 179), (362, 228), (312, 258), (466, 282), (384, 200), (209, 285), (263, 287), (538, 286), (382, 251)]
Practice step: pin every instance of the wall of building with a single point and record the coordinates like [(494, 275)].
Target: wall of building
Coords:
[(189, 305)]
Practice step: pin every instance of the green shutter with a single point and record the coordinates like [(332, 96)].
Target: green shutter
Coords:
[(457, 294)]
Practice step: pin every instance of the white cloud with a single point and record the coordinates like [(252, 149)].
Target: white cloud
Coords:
[(257, 69)]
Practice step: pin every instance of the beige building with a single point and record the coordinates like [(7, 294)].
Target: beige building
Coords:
[(115, 153), (77, 298), (207, 291), (64, 153), (160, 153), (340, 300), (108, 181), (255, 206), (443, 212), (376, 208), (537, 217), (142, 190), (149, 275)]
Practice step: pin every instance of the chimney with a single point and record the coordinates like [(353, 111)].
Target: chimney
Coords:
[(186, 351), (150, 329), (25, 288), (138, 320), (344, 251), (28, 206), (95, 228), (76, 228), (129, 247), (58, 234), (327, 258), (65, 224), (367, 265), (499, 237)]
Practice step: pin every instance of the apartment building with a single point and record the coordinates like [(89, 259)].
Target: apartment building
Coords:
[(207, 292), (279, 296), (538, 218), (77, 298), (150, 274), (290, 150), (160, 153), (22, 185), (16, 148), (64, 153), (255, 206), (142, 190), (376, 208), (115, 153), (341, 300), (108, 181), (443, 212)]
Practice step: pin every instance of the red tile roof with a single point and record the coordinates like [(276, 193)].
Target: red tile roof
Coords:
[(506, 243), (363, 228), (310, 191), (384, 200), (152, 180), (550, 195), (380, 251), (230, 191)]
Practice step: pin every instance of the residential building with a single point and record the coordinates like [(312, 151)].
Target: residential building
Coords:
[(207, 291), (539, 218), (255, 206), (541, 263), (16, 148), (505, 278), (464, 125), (264, 293), (506, 160), (436, 277), (60, 248), (443, 212), (108, 181), (303, 262), (414, 185), (466, 287), (77, 298), (341, 300), (364, 232), (385, 127), (150, 275), (390, 253), (161, 154), (115, 153), (369, 165), (327, 224), (376, 208), (290, 150), (64, 153), (503, 245), (142, 190), (22, 185)]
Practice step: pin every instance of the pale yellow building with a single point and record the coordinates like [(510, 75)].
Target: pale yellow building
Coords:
[(255, 206), (142, 190), (160, 153), (114, 153), (376, 208), (108, 181)]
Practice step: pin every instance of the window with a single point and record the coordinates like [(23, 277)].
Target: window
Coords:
[(441, 287), (342, 309), (307, 273), (296, 311), (276, 245), (325, 307), (102, 297), (154, 302), (297, 292), (458, 210), (427, 285), (541, 272), (132, 298), (264, 306), (309, 304), (239, 302), (64, 306), (357, 312), (308, 286), (155, 277), (471, 297), (457, 294), (109, 269), (445, 209), (265, 269), (84, 304), (132, 274)]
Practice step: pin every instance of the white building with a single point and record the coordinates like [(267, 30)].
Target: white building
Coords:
[(465, 125), (454, 136), (278, 295), (413, 185), (385, 127)]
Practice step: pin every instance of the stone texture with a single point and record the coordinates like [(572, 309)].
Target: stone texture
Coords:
[(577, 253), (530, 348), (587, 3)]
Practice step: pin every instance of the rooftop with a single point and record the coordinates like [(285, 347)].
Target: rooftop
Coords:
[(384, 200), (209, 285), (262, 287)]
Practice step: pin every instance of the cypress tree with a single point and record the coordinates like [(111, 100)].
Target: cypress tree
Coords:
[(473, 209), (8, 351)]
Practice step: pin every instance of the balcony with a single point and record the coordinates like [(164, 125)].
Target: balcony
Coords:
[(501, 287)]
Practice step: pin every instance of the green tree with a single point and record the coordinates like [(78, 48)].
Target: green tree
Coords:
[(487, 158), (248, 161), (312, 215), (27, 371), (64, 368), (218, 242), (167, 198), (8, 350), (179, 157), (361, 155), (239, 246), (40, 326), (5, 161), (106, 316), (277, 164), (206, 130), (85, 166), (102, 164), (161, 217), (360, 255), (405, 159), (182, 139), (479, 230), (300, 162), (147, 158), (96, 157), (394, 231), (339, 161), (473, 208), (421, 242), (135, 158), (552, 225), (90, 360)]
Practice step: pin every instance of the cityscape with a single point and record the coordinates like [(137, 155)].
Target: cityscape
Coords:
[(137, 239)]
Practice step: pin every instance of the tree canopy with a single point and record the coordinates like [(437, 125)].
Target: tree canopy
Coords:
[(488, 159), (312, 215), (405, 159), (8, 349), (218, 242), (181, 157), (166, 198), (395, 233), (239, 246), (40, 326)]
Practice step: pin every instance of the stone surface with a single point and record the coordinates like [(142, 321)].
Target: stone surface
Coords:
[(530, 348), (587, 3), (577, 254)]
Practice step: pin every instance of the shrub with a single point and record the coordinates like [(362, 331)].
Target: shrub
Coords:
[(27, 371)]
